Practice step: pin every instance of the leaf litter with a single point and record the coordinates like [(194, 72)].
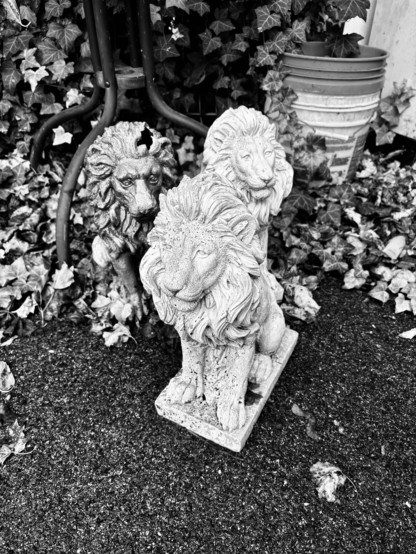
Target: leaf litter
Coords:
[(327, 478)]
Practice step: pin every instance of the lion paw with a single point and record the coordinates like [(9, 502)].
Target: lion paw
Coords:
[(261, 369), (182, 390), (231, 412)]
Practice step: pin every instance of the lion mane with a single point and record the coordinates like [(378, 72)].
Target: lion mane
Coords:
[(222, 139), (227, 312), (117, 228)]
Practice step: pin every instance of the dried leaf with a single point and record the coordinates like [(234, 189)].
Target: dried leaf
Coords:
[(327, 477), (63, 277), (7, 380), (408, 334), (61, 136)]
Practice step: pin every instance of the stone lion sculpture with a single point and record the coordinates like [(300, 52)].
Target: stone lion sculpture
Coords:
[(241, 145), (205, 270), (127, 167)]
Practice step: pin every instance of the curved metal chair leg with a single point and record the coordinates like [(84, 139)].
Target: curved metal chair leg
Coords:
[(154, 95), (71, 176), (71, 113)]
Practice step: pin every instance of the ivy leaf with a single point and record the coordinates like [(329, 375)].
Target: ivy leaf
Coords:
[(64, 35), (266, 19), (165, 48), (272, 81), (73, 96), (221, 26), (37, 279), (229, 55), (209, 42), (4, 127), (60, 70), (237, 89), (352, 8), (33, 77), (12, 12), (50, 108), (181, 4), (17, 43), (298, 31), (355, 278), (5, 106), (239, 43), (27, 14), (49, 52), (301, 201), (28, 307), (55, 8), (222, 82), (61, 136), (277, 43), (384, 135), (200, 7), (264, 57), (379, 292), (332, 216), (11, 76), (344, 46), (119, 334), (281, 7), (63, 277), (298, 5), (28, 59), (154, 13)]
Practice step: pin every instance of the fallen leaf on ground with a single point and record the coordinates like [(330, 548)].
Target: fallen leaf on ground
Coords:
[(408, 334), (328, 477), (63, 277), (6, 378)]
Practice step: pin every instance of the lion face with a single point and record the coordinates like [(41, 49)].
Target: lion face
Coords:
[(136, 183), (193, 258), (253, 161)]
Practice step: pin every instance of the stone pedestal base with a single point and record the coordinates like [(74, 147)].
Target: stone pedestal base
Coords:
[(199, 418)]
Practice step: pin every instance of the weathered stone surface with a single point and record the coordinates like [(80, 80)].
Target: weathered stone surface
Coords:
[(206, 270), (199, 417), (126, 169)]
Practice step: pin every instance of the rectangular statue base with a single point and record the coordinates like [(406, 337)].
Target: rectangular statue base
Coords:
[(200, 419)]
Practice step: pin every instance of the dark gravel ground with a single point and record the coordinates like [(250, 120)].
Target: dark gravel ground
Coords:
[(109, 476)]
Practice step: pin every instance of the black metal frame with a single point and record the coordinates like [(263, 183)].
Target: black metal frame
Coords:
[(140, 38)]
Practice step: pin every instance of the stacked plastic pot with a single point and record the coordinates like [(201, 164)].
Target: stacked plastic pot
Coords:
[(337, 97)]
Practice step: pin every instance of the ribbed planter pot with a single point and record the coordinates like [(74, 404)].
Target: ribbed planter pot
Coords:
[(337, 98)]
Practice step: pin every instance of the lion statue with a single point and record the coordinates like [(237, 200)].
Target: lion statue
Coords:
[(127, 167), (205, 270), (241, 145)]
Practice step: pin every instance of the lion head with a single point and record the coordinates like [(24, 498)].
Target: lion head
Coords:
[(242, 145), (127, 167), (203, 264)]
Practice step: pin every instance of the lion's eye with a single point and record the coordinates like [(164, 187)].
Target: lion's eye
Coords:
[(153, 179), (202, 253), (268, 153), (245, 156), (127, 183)]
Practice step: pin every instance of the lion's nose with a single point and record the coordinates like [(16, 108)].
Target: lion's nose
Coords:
[(172, 287)]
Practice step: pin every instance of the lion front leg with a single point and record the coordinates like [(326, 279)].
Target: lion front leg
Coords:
[(231, 411), (125, 268), (272, 330), (189, 383)]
